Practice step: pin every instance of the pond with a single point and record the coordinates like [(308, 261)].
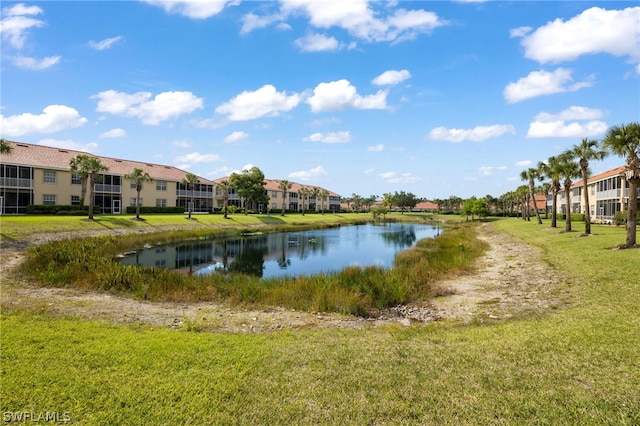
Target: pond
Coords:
[(287, 253)]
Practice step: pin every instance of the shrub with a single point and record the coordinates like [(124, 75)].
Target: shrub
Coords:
[(51, 209), (151, 209)]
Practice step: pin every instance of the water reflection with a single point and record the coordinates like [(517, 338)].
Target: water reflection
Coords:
[(293, 253)]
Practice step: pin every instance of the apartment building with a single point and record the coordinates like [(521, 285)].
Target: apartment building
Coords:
[(37, 174), (608, 194), (291, 200)]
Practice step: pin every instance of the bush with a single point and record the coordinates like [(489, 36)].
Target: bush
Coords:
[(55, 209), (150, 209)]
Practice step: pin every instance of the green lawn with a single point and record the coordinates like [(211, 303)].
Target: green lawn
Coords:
[(577, 365)]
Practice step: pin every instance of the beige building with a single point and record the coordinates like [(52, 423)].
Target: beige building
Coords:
[(608, 194), (35, 174)]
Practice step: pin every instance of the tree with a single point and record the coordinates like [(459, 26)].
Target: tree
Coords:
[(88, 170), (532, 174), (544, 189), (324, 196), (587, 150), (140, 176), (624, 141), (284, 186), (303, 193), (552, 169), (405, 200), (314, 194), (569, 170), (225, 187), (5, 148), (249, 186), (190, 181)]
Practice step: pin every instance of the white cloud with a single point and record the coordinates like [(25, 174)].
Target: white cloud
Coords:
[(477, 134), (104, 44), (181, 144), (251, 22), (162, 107), (265, 101), (393, 177), (308, 175), (391, 77), (359, 19), (54, 118), (196, 157), (524, 163), (195, 9), (376, 148), (69, 144), (585, 124), (485, 170), (27, 63), (16, 23), (317, 43), (114, 133), (539, 83), (236, 136), (330, 137), (595, 30), (341, 94), (562, 129)]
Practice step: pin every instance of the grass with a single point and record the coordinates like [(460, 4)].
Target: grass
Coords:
[(578, 365), (88, 263)]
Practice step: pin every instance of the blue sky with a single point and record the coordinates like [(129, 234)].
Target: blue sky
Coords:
[(364, 97)]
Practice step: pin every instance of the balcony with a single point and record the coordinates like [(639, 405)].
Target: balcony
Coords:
[(9, 182), (100, 187), (196, 194)]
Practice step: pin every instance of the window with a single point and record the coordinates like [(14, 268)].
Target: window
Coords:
[(274, 194), (134, 184), (134, 201), (75, 200), (49, 176), (75, 179), (48, 199), (161, 185), (161, 202)]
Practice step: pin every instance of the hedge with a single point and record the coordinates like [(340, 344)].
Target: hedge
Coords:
[(55, 209), (150, 209)]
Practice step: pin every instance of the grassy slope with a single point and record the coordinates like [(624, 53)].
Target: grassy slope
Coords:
[(579, 365)]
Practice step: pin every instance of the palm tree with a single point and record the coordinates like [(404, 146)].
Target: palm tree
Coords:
[(532, 174), (569, 170), (139, 176), (622, 141), (78, 166), (190, 180), (544, 189), (314, 194), (5, 148), (587, 150), (303, 193), (225, 187), (552, 170), (88, 169), (324, 195), (284, 186)]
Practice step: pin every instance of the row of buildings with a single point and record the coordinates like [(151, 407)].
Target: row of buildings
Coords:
[(35, 174), (608, 195)]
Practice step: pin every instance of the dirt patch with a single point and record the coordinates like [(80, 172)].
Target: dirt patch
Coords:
[(510, 280)]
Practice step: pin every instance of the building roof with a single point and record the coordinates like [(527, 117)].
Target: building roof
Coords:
[(58, 159), (274, 185), (600, 176)]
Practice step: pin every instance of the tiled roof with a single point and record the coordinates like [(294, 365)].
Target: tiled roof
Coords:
[(600, 176), (273, 185), (58, 158)]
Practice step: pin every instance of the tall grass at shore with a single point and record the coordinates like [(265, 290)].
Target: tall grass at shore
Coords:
[(88, 263)]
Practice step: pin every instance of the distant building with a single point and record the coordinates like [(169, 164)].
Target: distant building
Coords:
[(608, 194), (36, 174)]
